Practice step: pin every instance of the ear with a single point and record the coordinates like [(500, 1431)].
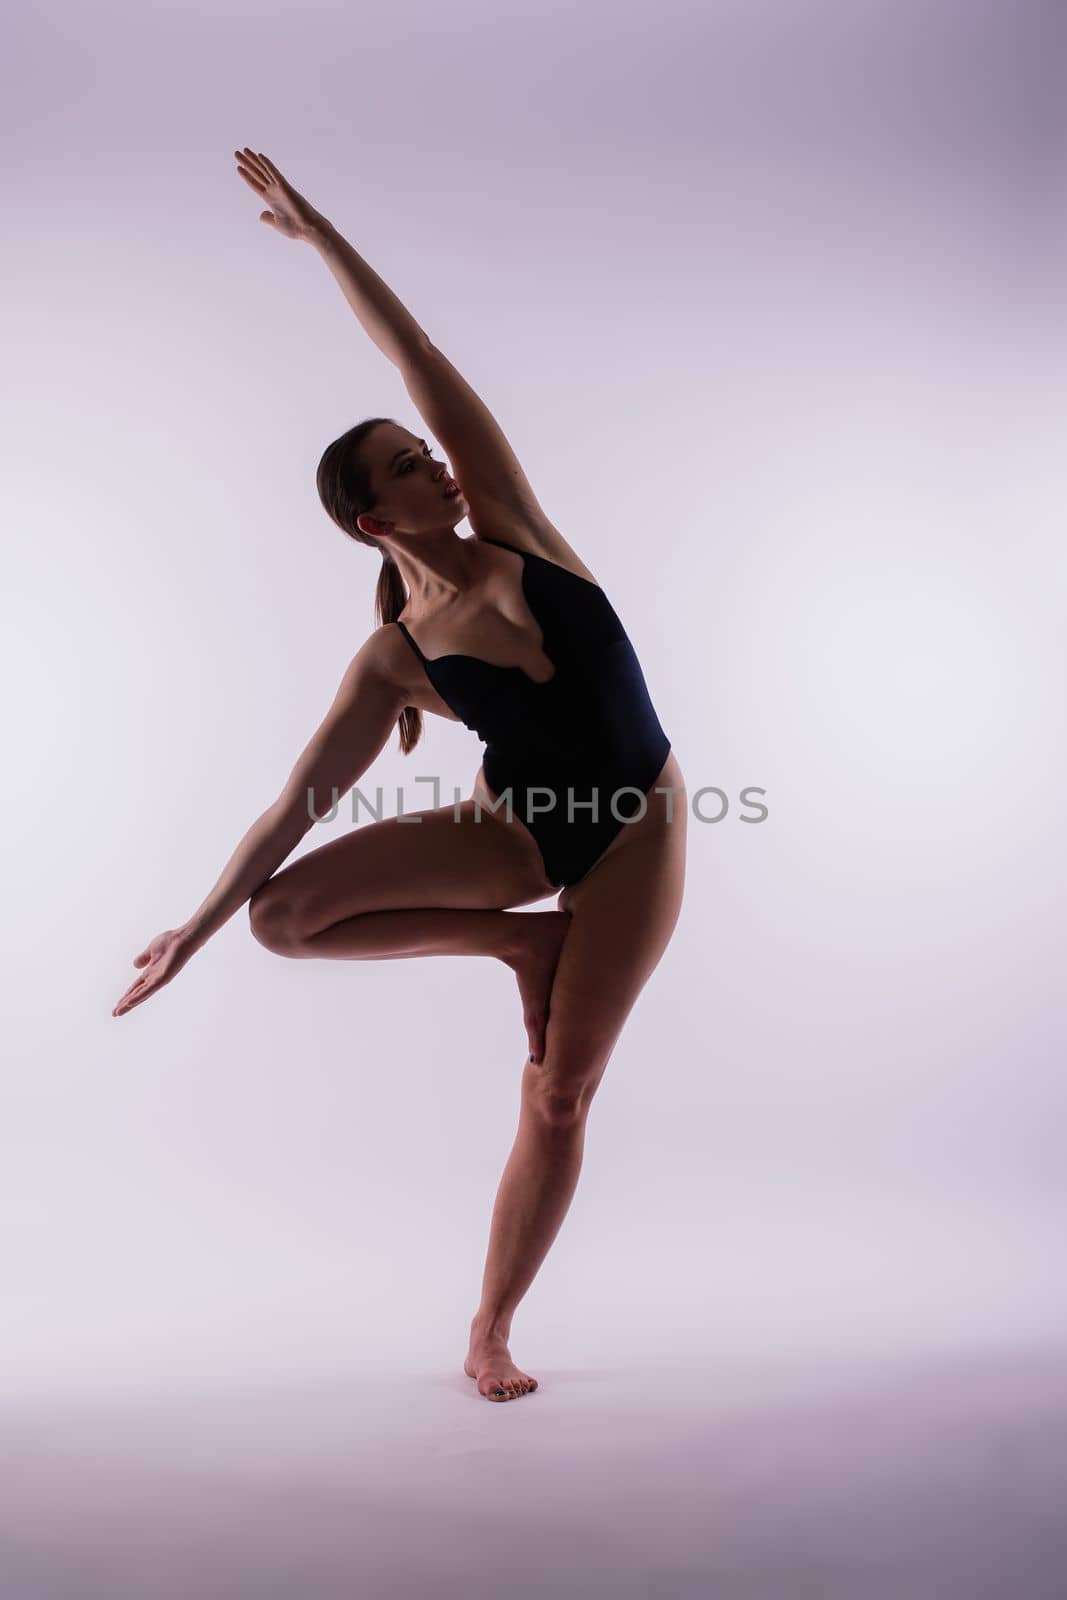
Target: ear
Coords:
[(373, 526)]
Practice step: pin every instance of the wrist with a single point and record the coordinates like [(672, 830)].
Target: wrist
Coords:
[(322, 234), (193, 934)]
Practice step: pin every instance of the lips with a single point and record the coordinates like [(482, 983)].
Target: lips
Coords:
[(451, 492)]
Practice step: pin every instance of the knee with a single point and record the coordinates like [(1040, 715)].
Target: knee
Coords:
[(559, 1106), (559, 1089), (271, 922)]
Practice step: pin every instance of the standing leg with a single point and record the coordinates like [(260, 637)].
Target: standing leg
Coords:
[(622, 917)]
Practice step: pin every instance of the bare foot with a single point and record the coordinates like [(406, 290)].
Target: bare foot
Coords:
[(489, 1361), (534, 961)]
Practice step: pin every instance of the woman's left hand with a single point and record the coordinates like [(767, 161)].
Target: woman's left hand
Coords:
[(289, 212)]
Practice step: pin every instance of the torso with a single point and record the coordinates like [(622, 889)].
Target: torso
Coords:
[(534, 659), (491, 620)]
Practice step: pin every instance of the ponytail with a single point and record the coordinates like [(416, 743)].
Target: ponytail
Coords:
[(344, 488)]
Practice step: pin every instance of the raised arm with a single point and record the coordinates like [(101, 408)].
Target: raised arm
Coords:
[(483, 462), (349, 738)]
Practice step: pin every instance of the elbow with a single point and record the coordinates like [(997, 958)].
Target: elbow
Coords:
[(293, 814), (321, 804), (302, 807)]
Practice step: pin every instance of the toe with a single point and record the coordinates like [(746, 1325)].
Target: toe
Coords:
[(494, 1388)]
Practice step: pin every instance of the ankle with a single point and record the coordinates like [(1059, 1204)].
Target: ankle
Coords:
[(514, 941), (485, 1325)]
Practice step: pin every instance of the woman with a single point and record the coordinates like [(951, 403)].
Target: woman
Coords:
[(510, 633)]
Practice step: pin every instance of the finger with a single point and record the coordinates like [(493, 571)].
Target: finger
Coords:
[(135, 988), (267, 216), (124, 1004), (270, 168), (246, 159), (138, 992), (128, 1005), (252, 161), (252, 182)]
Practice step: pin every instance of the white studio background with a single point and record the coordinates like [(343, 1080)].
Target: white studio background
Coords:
[(771, 305)]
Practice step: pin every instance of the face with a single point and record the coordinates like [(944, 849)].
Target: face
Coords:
[(410, 480)]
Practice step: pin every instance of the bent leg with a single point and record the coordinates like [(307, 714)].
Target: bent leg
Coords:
[(432, 858), (436, 886)]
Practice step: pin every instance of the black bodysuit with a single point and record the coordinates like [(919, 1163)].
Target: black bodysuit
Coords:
[(591, 729)]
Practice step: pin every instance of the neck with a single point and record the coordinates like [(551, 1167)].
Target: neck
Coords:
[(434, 566)]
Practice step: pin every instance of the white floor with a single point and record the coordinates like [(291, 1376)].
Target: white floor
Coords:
[(934, 1477)]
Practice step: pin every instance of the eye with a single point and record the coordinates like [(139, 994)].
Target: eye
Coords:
[(409, 463)]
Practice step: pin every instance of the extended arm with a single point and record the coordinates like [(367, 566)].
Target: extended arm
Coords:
[(352, 734), (482, 459), (496, 488), (388, 322), (349, 738)]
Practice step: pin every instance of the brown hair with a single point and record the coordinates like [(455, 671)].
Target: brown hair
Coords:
[(343, 482)]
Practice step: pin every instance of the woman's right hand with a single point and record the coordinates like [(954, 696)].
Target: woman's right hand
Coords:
[(162, 960), (289, 212)]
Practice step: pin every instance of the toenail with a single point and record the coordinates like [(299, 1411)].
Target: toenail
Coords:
[(498, 1391)]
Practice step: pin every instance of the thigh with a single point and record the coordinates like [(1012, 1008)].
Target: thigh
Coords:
[(622, 917), (447, 856)]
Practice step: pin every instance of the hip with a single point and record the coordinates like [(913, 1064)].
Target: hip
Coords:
[(650, 816)]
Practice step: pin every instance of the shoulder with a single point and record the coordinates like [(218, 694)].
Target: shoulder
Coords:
[(529, 531), (390, 660), (379, 662), (382, 665), (386, 655)]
